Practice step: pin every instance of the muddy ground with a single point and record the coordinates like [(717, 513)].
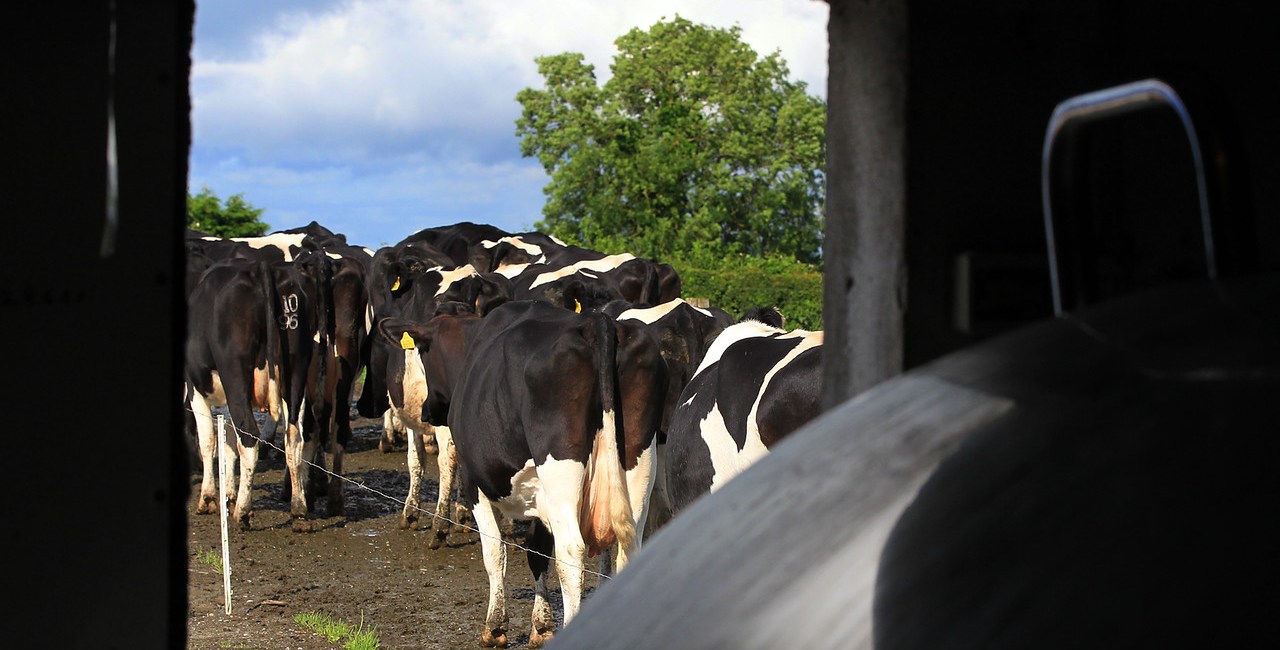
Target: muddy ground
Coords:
[(360, 566)]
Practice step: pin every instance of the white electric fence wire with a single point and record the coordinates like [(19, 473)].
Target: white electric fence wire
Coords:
[(384, 495)]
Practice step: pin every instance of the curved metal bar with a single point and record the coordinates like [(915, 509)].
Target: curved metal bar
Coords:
[(1110, 102)]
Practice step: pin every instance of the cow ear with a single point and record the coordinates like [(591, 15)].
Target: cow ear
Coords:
[(403, 333)]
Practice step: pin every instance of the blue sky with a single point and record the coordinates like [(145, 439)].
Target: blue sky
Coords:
[(378, 118)]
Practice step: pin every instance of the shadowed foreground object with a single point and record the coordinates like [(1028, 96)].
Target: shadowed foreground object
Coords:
[(1107, 478)]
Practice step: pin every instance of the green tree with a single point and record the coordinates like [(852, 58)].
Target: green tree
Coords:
[(237, 218), (694, 143)]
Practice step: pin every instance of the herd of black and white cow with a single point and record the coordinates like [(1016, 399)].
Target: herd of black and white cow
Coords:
[(553, 383)]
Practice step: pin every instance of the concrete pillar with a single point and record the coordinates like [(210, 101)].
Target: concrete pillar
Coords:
[(864, 251)]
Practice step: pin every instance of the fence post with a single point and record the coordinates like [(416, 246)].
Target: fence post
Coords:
[(222, 501)]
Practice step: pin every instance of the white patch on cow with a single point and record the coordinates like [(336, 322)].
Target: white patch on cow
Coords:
[(447, 278), (368, 251), (526, 485), (723, 450), (640, 485), (511, 271), (495, 562), (797, 334), (207, 444), (601, 265), (732, 334), (408, 415), (650, 315), (532, 249), (415, 387), (333, 256), (552, 276), (282, 241), (590, 275), (557, 501), (218, 396), (556, 240)]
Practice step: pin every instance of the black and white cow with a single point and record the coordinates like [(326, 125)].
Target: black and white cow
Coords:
[(594, 282), (685, 333), (555, 420), (461, 242), (424, 374), (415, 296), (253, 329), (331, 388), (582, 286), (756, 385)]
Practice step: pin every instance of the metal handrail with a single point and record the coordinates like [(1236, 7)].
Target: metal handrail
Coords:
[(1110, 102)]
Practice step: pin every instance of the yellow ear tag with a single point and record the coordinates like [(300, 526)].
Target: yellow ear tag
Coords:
[(396, 285), (407, 342), (577, 306)]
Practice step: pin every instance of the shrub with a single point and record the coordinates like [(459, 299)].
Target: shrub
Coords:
[(736, 283)]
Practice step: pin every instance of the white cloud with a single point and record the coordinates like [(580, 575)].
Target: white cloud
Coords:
[(349, 98)]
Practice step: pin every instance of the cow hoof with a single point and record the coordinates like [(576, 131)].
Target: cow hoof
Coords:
[(244, 521), (538, 638), (437, 540), (303, 526), (431, 448), (207, 506), (493, 638), (386, 446)]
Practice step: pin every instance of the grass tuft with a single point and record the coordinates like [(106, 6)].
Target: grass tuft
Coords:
[(211, 558), (358, 639), (363, 639)]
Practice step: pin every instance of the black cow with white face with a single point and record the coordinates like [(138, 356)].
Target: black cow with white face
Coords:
[(555, 420), (756, 385), (423, 369), (414, 295)]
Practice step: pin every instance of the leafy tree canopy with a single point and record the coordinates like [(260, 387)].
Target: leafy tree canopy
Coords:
[(236, 218), (695, 142)]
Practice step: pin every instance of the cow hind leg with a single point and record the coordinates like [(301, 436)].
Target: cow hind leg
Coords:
[(413, 500), (447, 464), (317, 474), (540, 546), (494, 549), (244, 496), (561, 492), (297, 452), (207, 502), (392, 431), (640, 481)]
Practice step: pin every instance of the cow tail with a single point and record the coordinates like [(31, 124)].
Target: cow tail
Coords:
[(608, 508), (274, 309), (324, 316)]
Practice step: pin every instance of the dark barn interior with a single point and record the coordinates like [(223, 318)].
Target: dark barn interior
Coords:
[(983, 81), (94, 315)]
